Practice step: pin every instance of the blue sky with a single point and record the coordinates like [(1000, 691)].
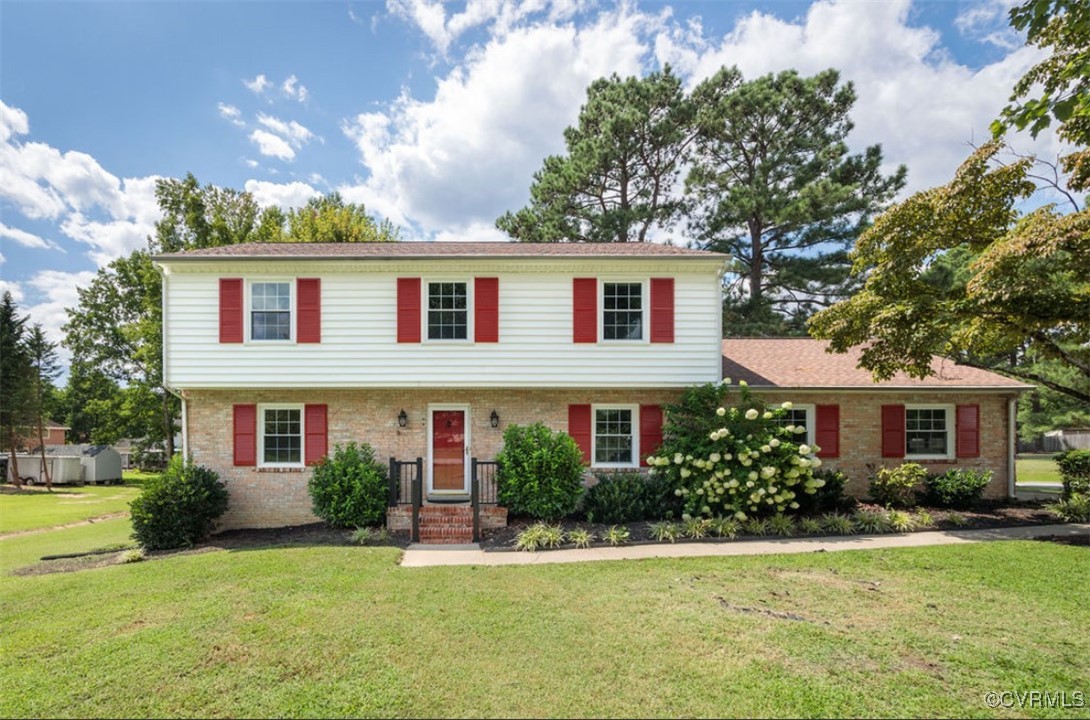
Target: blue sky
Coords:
[(434, 115)]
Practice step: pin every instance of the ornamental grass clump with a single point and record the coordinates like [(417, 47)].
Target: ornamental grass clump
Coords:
[(580, 538), (810, 526), (734, 459), (838, 524), (616, 535), (782, 525), (726, 528), (696, 528), (665, 531)]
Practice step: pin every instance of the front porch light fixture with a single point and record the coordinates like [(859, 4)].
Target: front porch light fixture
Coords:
[(494, 419), (402, 419)]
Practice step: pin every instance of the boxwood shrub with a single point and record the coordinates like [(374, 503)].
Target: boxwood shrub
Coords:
[(179, 508), (959, 488), (540, 472), (1075, 471), (349, 489)]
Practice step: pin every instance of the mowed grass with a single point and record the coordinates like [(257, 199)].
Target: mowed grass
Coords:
[(1037, 469), (22, 550), (66, 504), (334, 631)]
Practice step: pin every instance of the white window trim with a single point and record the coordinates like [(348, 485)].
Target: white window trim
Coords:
[(248, 319), (425, 284), (635, 435), (645, 311), (811, 419), (950, 431), (261, 408)]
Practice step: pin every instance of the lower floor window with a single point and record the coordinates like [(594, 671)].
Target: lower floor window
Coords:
[(613, 437), (927, 431), (800, 416), (282, 436)]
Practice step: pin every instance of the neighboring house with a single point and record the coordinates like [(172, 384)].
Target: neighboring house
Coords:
[(1066, 439), (430, 350), (54, 435)]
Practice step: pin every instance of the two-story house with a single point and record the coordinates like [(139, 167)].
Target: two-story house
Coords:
[(280, 351)]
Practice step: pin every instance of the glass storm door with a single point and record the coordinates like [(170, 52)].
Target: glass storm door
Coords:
[(448, 450)]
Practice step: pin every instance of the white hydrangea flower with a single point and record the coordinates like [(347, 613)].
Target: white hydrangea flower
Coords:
[(728, 457), (739, 515), (713, 436), (743, 383), (678, 459), (715, 457), (790, 428), (721, 412), (749, 484), (815, 462), (774, 442), (794, 506), (804, 449), (686, 472), (752, 475), (766, 448), (767, 415), (787, 405), (726, 381), (677, 492), (799, 429), (706, 510), (751, 414)]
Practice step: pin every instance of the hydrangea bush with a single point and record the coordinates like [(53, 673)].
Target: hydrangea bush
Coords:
[(734, 458)]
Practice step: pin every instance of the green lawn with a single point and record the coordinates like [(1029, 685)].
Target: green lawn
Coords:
[(1037, 469), (333, 631), (66, 504), (22, 550)]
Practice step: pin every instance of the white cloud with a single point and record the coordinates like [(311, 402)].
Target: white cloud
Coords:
[(251, 163), (26, 239), (295, 90), (14, 288), (258, 85), (13, 121), (272, 145), (283, 195), (291, 131), (54, 291), (232, 114), (989, 21)]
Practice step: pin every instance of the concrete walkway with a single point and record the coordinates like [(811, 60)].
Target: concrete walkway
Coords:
[(431, 555)]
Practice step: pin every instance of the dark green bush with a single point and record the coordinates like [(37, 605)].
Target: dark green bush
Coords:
[(829, 497), (179, 508), (540, 472), (619, 498), (897, 487), (1075, 470), (350, 488), (957, 488)]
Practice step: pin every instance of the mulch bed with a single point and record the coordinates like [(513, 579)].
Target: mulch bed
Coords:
[(986, 515)]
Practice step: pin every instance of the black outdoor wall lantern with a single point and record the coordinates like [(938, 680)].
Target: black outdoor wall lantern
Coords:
[(402, 419), (494, 419)]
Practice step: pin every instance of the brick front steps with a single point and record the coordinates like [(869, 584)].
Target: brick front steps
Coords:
[(445, 524)]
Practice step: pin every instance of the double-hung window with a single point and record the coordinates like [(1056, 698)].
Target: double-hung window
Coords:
[(281, 435), (270, 311), (448, 311), (615, 440), (928, 431), (800, 416), (622, 311)]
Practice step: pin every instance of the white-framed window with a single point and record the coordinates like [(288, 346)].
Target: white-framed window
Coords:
[(271, 306), (614, 440), (447, 315), (623, 310), (929, 431), (801, 414), (280, 435)]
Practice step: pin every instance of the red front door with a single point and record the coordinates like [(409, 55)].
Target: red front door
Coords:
[(448, 450)]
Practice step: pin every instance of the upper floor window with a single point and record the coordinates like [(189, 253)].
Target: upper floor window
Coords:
[(281, 435), (448, 311), (270, 311), (928, 431), (622, 311), (614, 436)]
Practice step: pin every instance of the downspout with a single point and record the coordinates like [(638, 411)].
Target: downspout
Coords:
[(1012, 445)]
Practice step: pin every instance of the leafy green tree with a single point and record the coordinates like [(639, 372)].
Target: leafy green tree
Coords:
[(201, 217), (16, 381), (1023, 298), (773, 184), (329, 218), (92, 405), (616, 183), (1059, 84), (45, 368)]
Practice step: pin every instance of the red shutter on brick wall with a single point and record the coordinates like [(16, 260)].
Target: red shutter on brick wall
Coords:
[(650, 431), (245, 431), (317, 433), (408, 310), (827, 430), (308, 300), (893, 431), (662, 310), (585, 310), (579, 428), (968, 431), (486, 310), (230, 310)]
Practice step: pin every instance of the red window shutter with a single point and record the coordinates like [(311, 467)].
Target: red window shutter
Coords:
[(408, 310), (308, 300), (486, 310), (579, 428), (662, 310), (650, 431), (827, 430), (245, 430), (585, 310), (230, 310), (968, 431), (317, 444), (893, 431)]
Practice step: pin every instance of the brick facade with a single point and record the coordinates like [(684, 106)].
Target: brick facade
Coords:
[(270, 498)]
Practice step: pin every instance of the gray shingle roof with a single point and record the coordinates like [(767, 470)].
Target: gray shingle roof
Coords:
[(387, 250)]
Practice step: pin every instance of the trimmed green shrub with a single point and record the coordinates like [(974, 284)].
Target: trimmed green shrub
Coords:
[(349, 489), (619, 498), (179, 508), (828, 497), (957, 488), (897, 487), (1075, 471), (540, 472)]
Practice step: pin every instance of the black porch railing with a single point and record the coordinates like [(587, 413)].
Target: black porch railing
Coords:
[(407, 488), (482, 490)]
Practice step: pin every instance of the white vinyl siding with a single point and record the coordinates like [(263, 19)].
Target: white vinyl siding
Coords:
[(359, 345)]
